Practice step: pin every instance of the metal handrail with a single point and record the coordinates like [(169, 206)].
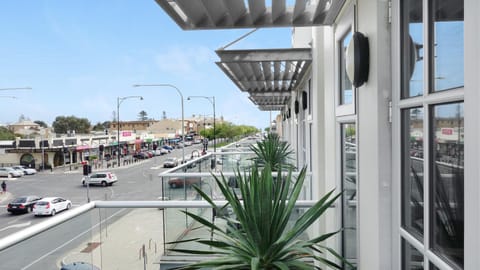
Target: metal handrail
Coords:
[(36, 229)]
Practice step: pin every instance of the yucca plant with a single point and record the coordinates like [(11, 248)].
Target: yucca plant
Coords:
[(273, 152), (260, 233)]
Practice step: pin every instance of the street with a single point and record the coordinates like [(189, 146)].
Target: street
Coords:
[(136, 182)]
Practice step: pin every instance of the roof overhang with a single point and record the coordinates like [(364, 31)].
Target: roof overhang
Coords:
[(269, 76), (225, 14)]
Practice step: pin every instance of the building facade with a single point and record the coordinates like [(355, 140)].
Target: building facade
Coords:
[(378, 99)]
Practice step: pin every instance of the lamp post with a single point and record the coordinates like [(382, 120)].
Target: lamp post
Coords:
[(212, 101), (181, 98), (16, 88), (119, 101)]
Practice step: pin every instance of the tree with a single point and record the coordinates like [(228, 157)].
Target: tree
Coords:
[(22, 118), (41, 123), (101, 126), (142, 116), (64, 124), (6, 134)]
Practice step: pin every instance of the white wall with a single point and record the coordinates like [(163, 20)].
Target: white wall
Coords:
[(374, 141)]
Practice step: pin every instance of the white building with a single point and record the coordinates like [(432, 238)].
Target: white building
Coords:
[(411, 194)]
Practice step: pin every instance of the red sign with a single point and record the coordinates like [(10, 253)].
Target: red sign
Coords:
[(447, 131), (126, 133)]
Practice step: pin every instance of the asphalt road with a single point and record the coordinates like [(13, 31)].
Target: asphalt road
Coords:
[(138, 182)]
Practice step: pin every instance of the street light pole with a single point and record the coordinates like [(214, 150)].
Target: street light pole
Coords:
[(16, 88), (212, 101), (181, 97), (119, 101)]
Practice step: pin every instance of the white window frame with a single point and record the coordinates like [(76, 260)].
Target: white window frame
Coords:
[(425, 101), (345, 25)]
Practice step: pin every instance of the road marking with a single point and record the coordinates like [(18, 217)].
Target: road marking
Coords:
[(16, 226)]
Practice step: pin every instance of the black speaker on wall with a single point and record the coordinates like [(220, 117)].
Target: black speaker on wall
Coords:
[(297, 107)]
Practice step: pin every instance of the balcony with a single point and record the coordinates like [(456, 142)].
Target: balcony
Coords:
[(135, 234)]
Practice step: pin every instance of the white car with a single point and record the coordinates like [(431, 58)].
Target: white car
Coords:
[(49, 206), (9, 172), (26, 170), (100, 178)]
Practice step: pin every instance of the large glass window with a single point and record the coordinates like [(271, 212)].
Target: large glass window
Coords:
[(412, 259), (349, 187), (447, 35), (412, 48), (412, 167), (447, 188), (432, 140), (346, 87)]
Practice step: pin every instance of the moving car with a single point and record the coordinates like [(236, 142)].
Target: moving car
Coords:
[(23, 204), (25, 169), (170, 162), (50, 206), (100, 178), (181, 181), (9, 172)]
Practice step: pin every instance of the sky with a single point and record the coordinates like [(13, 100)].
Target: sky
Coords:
[(79, 56)]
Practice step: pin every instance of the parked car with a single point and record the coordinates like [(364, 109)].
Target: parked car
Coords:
[(23, 204), (25, 169), (9, 172), (79, 266), (181, 182), (170, 162), (149, 153), (164, 151), (20, 170), (141, 155), (50, 206), (168, 147), (100, 178)]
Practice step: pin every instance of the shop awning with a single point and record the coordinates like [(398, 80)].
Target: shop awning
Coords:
[(82, 147), (224, 14), (268, 76)]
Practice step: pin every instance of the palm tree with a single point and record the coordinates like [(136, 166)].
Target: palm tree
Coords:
[(260, 233)]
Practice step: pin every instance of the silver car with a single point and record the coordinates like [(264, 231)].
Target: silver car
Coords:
[(26, 170), (9, 172)]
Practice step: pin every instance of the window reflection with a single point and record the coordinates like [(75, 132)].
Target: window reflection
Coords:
[(346, 88), (412, 259), (412, 48), (447, 44), (447, 182), (412, 167), (349, 185)]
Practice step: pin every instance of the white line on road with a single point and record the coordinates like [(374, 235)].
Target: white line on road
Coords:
[(16, 226)]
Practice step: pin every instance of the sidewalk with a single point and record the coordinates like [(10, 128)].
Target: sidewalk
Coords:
[(119, 246), (77, 168)]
